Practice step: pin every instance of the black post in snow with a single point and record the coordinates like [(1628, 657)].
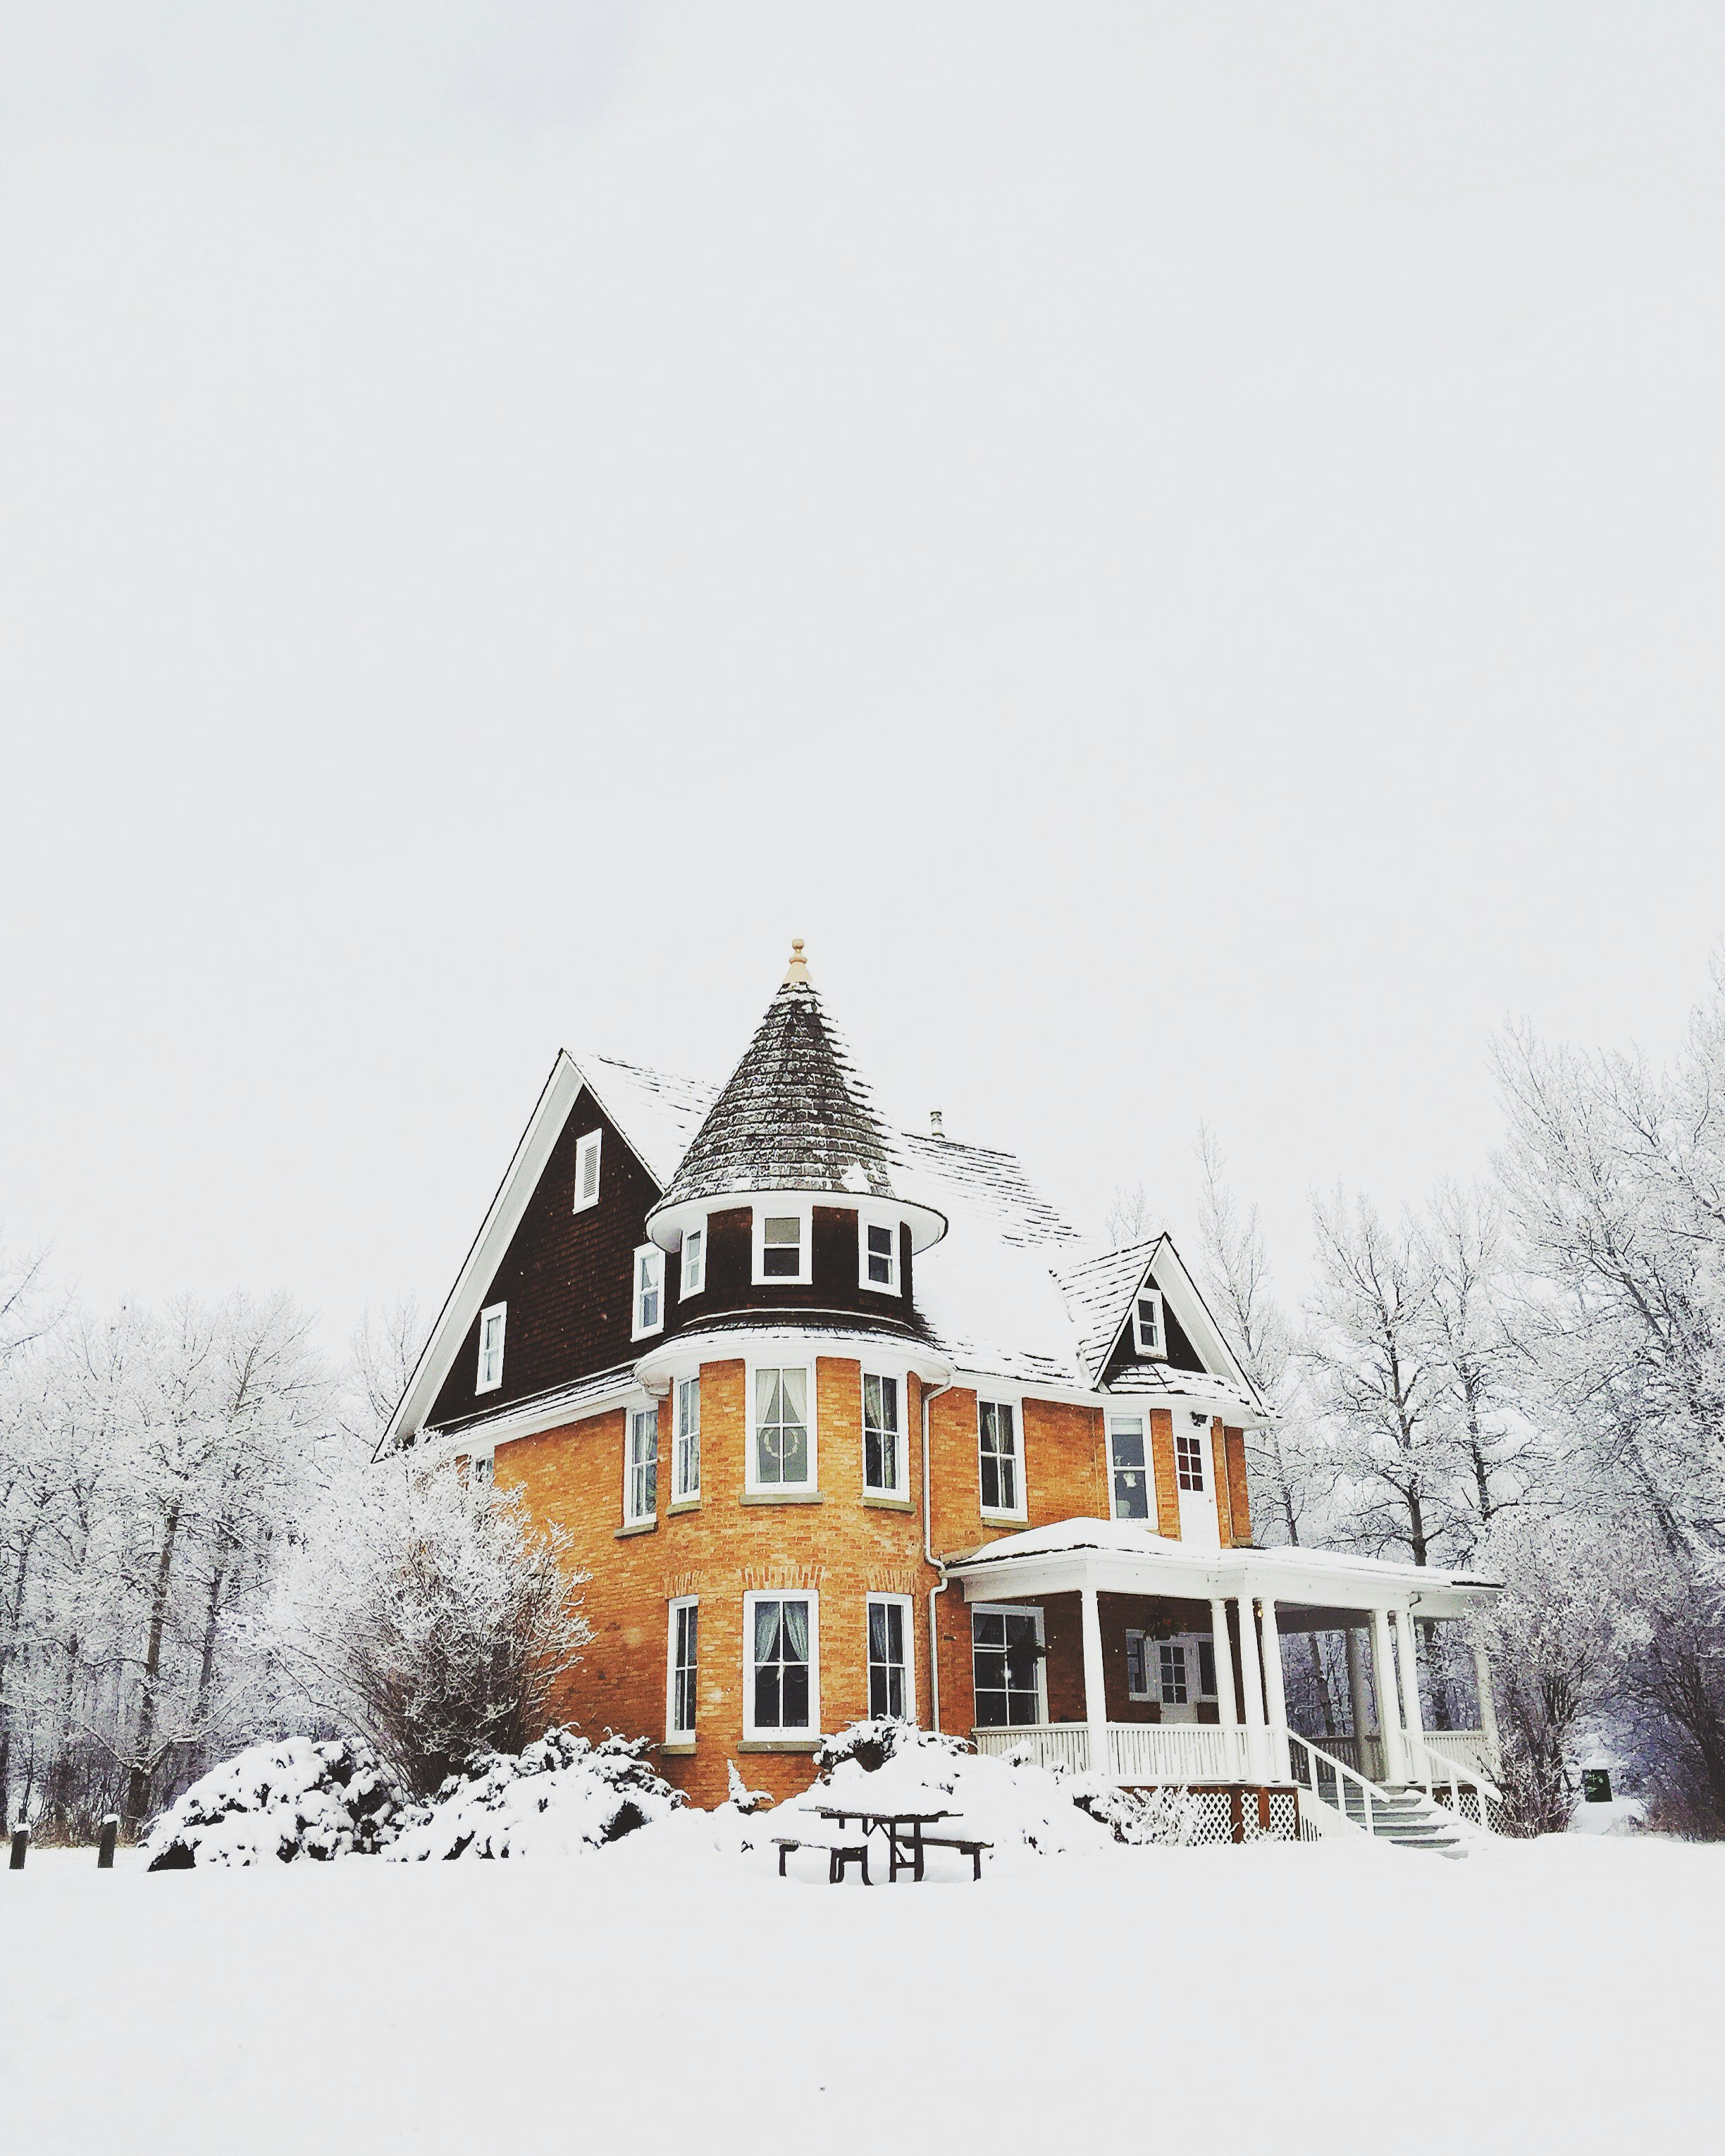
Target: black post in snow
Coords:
[(20, 1845), (105, 1855)]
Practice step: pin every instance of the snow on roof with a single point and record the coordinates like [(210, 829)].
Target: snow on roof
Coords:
[(657, 1112), (1098, 1290), (794, 1114), (1130, 1538)]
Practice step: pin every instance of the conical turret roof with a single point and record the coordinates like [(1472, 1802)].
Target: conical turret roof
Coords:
[(793, 1115)]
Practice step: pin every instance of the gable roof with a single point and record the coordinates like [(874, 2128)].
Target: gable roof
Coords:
[(794, 1114), (1100, 1291)]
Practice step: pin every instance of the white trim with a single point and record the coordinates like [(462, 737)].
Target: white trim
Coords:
[(680, 1496), (868, 1217), (490, 1352), (688, 1350), (812, 1727), (1013, 1610), (652, 1258), (905, 1603), (801, 1209), (901, 1487), (673, 1734), (590, 1143), (1122, 1412), (1014, 1402), (631, 1517), (685, 1287), (1157, 1346), (752, 1486)]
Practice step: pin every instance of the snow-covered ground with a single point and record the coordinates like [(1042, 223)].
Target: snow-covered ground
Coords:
[(1561, 1995)]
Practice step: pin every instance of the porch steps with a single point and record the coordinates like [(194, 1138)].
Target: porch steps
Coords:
[(1409, 1819)]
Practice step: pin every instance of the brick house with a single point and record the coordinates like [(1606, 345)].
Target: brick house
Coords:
[(845, 1420)]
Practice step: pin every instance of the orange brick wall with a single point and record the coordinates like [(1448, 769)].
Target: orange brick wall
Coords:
[(1168, 1480), (1239, 1493)]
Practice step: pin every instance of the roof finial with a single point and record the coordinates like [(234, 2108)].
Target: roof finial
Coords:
[(797, 970)]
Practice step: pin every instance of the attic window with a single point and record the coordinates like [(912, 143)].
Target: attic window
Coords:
[(1148, 1335), (782, 1246), (490, 1348), (586, 1171), (649, 1291), (695, 1257)]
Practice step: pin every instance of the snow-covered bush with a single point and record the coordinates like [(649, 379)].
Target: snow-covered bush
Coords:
[(1156, 1818), (280, 1801), (555, 1797), (433, 1615)]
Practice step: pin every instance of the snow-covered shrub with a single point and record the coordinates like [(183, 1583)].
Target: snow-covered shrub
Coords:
[(433, 1615), (286, 1800), (872, 1743), (555, 1797), (740, 1796)]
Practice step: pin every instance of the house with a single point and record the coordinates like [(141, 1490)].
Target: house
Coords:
[(846, 1420)]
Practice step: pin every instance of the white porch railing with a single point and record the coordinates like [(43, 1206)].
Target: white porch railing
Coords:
[(1465, 1749), (1146, 1752)]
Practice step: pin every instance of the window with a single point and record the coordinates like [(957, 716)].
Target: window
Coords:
[(649, 1291), (1206, 1669), (586, 1171), (480, 1470), (685, 1459), (998, 1447), (695, 1258), (889, 1660), (640, 1467), (1006, 1661), (879, 1253), (1148, 1331), (680, 1680), (783, 1695), (782, 1246), (1131, 1479), (1138, 1666), (1189, 1456), (782, 1454), (1173, 1672), (883, 1438), (490, 1344)]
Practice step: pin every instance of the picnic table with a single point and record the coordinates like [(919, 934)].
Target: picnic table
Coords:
[(903, 1831)]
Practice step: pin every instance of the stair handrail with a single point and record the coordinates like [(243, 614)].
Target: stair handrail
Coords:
[(1454, 1773), (1369, 1790)]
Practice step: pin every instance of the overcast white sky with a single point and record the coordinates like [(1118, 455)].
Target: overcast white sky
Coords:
[(1180, 547)]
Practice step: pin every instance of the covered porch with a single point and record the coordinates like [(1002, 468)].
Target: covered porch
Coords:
[(1103, 1647)]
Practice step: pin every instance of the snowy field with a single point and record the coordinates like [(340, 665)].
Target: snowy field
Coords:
[(1564, 1994)]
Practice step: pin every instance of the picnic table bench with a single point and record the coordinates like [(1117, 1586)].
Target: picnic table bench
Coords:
[(839, 1855), (905, 1838)]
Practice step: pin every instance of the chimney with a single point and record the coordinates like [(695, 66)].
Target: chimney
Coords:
[(934, 1124)]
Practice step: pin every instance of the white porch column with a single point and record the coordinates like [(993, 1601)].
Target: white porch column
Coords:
[(1251, 1683), (1415, 1721), (1389, 1714), (1488, 1703), (1279, 1766), (1096, 1689), (1357, 1690), (1227, 1707)]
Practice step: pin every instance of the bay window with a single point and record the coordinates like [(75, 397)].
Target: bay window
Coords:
[(685, 1458), (889, 1683), (694, 1262), (781, 1442), (884, 1457), (649, 1291), (683, 1663), (782, 1688), (640, 1467)]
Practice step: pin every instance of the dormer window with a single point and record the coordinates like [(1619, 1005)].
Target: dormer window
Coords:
[(782, 1243), (649, 1291), (1149, 1334), (695, 1258), (491, 1347), (586, 1171), (879, 1256)]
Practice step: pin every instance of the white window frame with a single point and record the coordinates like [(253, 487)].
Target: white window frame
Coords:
[(900, 1490), (891, 1284), (1145, 1644), (800, 1209), (493, 1383), (638, 1293), (1016, 1405), (1016, 1609), (812, 1731), (1109, 1417), (674, 1734), (1157, 1345), (680, 1390), (752, 1486), (590, 1143), (685, 1286), (632, 1417), (907, 1609)]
